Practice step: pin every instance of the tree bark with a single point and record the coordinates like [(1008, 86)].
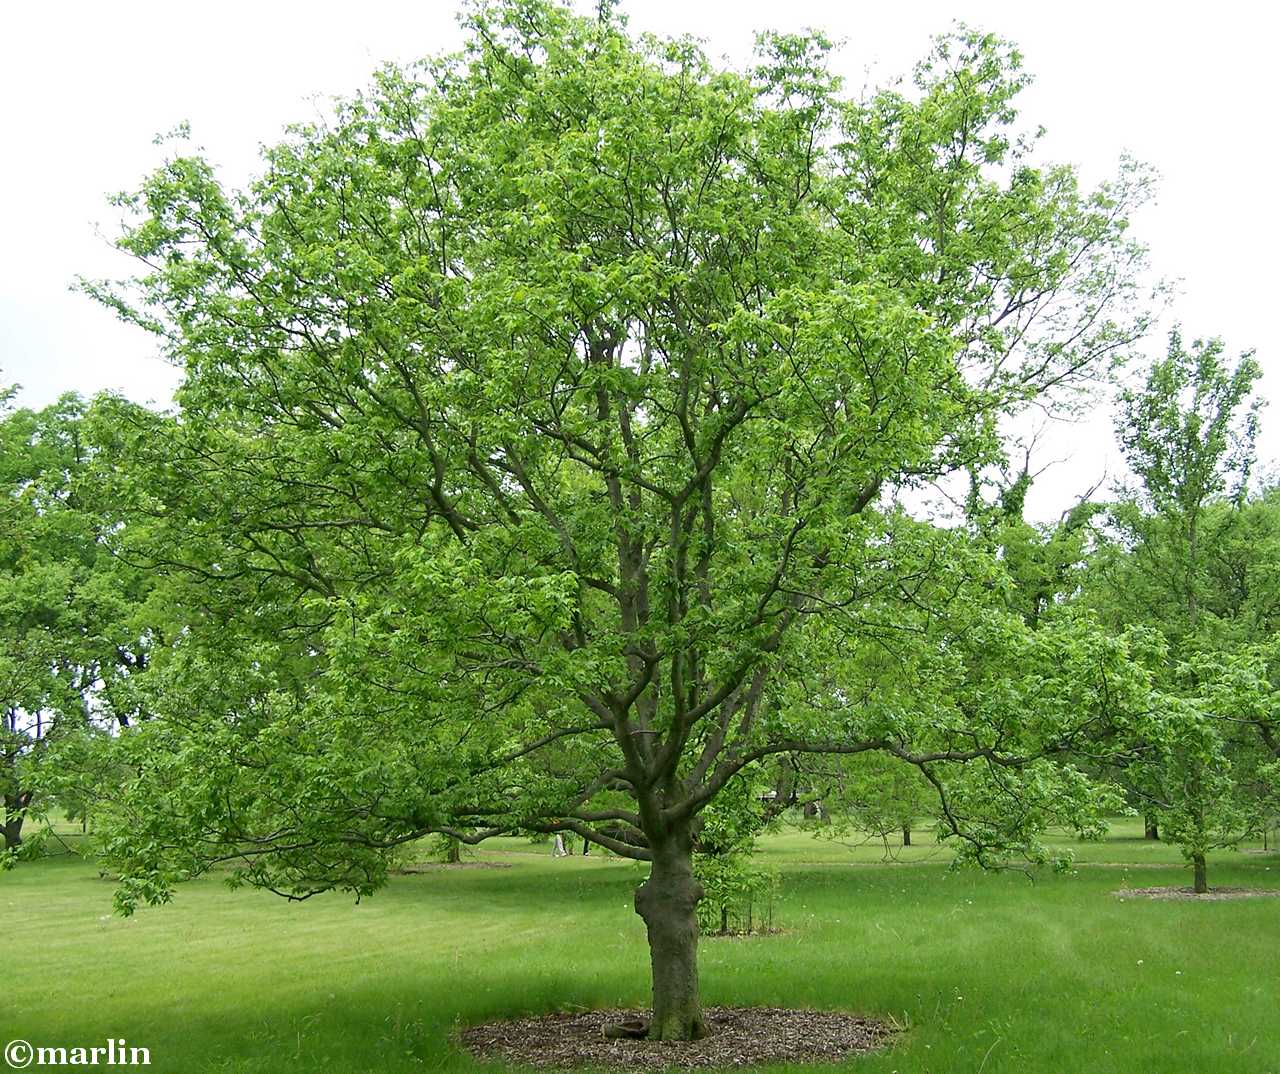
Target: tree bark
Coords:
[(12, 829), (1201, 879), (1151, 829), (667, 902), (906, 835)]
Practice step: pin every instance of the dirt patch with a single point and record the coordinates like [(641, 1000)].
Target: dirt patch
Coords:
[(432, 866), (754, 934), (737, 1037), (1188, 894), (1127, 865)]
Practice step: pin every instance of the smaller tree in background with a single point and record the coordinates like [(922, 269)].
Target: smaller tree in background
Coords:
[(1044, 562), (737, 892), (46, 583), (878, 795), (70, 610), (1189, 437), (1204, 780)]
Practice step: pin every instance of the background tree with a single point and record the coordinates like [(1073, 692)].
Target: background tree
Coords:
[(1188, 435), (1045, 563), (1207, 789), (877, 794), (737, 893), (67, 605), (544, 406)]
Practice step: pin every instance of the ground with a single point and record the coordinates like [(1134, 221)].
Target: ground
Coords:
[(737, 1037), (991, 973)]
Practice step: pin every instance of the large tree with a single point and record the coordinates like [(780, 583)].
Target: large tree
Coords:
[(540, 424)]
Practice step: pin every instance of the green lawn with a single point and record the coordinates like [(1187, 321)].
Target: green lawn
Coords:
[(990, 973)]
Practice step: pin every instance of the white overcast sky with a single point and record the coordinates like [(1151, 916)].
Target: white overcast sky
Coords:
[(1190, 89)]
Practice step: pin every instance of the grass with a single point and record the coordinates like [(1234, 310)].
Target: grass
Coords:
[(990, 973)]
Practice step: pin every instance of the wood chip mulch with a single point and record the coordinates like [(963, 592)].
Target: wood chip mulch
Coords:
[(1188, 894), (435, 866), (737, 1037)]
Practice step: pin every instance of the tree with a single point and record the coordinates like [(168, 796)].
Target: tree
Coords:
[(1200, 777), (878, 794), (539, 422), (1188, 434), (66, 605), (722, 863)]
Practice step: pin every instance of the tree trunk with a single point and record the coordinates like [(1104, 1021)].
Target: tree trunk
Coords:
[(452, 851), (12, 831), (1193, 610), (1151, 829), (906, 835), (1201, 879), (667, 902)]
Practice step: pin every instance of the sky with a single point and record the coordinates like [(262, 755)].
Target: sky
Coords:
[(1189, 89)]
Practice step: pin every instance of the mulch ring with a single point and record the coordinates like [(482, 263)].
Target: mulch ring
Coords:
[(434, 866), (1189, 895), (737, 1037)]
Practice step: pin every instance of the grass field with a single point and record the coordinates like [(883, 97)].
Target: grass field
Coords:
[(988, 973)]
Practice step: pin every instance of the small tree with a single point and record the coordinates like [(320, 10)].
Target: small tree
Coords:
[(448, 849), (539, 422), (722, 862), (738, 895), (1205, 781), (1188, 435), (879, 794)]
